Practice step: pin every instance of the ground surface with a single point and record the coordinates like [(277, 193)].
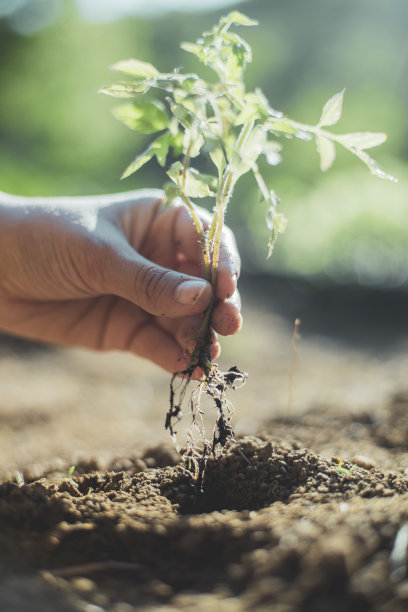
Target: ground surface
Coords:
[(307, 511)]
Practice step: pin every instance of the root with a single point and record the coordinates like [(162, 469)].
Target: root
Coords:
[(215, 384)]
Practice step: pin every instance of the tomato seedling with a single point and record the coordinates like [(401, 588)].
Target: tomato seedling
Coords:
[(236, 129)]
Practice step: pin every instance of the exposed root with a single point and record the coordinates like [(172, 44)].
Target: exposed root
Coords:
[(215, 384)]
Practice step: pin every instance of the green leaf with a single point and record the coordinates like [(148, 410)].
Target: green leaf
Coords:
[(332, 110), (143, 117), (341, 470), (195, 185), (249, 150), (208, 179), (373, 167), (362, 140), (171, 192), (161, 147), (250, 112), (218, 158), (276, 222), (239, 46), (175, 171), (191, 83), (193, 48), (256, 106), (193, 140), (238, 18), (326, 150), (71, 471), (176, 141), (136, 68), (139, 161), (125, 90), (265, 106), (182, 114), (281, 126)]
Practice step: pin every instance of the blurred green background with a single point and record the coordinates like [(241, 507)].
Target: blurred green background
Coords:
[(58, 137)]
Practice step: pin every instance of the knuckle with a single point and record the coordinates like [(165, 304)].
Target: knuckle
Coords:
[(154, 282)]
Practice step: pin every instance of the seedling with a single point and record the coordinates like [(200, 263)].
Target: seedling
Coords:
[(70, 472), (218, 123)]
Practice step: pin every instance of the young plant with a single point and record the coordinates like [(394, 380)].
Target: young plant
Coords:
[(233, 129)]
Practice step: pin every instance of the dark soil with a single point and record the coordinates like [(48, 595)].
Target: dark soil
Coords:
[(275, 527)]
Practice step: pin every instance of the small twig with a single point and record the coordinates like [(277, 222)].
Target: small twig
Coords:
[(251, 463), (295, 359), (96, 566)]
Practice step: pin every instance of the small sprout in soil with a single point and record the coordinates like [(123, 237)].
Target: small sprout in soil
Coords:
[(341, 470), (70, 472), (221, 125)]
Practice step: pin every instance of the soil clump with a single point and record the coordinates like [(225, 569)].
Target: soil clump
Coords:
[(275, 527)]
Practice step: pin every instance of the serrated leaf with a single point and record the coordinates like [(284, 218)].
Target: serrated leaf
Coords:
[(125, 90), (136, 68), (362, 140), (373, 167), (159, 148), (193, 48), (332, 110), (143, 117), (138, 162), (238, 18), (326, 150), (192, 142)]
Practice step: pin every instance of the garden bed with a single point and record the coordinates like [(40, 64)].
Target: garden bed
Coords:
[(275, 526)]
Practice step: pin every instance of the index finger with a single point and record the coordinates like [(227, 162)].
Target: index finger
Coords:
[(187, 238)]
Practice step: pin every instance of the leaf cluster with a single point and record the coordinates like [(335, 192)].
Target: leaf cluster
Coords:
[(220, 119)]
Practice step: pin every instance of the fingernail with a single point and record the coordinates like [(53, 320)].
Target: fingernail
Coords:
[(189, 292)]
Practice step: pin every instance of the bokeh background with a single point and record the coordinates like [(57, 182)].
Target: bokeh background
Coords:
[(58, 137)]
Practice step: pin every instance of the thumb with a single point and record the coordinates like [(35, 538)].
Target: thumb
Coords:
[(157, 290)]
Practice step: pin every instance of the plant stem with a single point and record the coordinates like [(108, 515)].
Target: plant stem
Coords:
[(201, 233)]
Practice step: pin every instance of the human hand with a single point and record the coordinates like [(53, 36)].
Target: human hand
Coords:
[(111, 272)]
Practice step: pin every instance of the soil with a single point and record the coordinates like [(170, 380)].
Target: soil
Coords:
[(306, 510)]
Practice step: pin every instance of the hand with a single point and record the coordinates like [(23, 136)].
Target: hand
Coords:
[(111, 272)]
